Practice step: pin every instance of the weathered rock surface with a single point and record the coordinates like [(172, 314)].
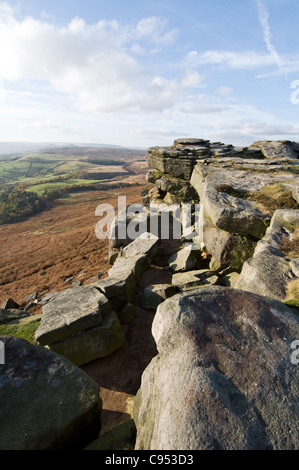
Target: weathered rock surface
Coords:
[(120, 233), (294, 265), (229, 280), (80, 324), (223, 378), (135, 257), (46, 402), (117, 291), (193, 279), (72, 311), (177, 160), (154, 295), (184, 260), (175, 187), (93, 343), (277, 149), (127, 313), (228, 213), (269, 271), (228, 249)]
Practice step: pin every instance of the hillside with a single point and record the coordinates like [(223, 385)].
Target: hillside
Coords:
[(66, 170)]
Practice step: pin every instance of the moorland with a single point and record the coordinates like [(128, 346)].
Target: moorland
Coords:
[(56, 244)]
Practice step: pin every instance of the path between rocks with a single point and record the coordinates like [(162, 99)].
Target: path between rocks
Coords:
[(119, 375)]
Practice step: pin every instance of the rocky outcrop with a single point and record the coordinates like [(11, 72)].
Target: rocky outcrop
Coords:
[(180, 159), (232, 224), (277, 149), (46, 402), (223, 378), (226, 212)]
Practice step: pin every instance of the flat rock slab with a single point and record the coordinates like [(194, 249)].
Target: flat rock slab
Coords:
[(194, 278), (223, 378), (46, 402), (93, 343), (70, 312), (145, 244)]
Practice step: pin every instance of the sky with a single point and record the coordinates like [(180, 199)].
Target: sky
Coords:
[(143, 73)]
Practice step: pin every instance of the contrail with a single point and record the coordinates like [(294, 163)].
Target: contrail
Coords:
[(263, 16)]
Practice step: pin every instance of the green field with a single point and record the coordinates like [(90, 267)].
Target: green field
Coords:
[(41, 188), (28, 167), (39, 172)]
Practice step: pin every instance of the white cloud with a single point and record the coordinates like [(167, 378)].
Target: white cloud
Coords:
[(203, 108), (224, 91), (263, 16), (235, 60), (97, 65), (262, 129), (192, 79), (155, 30)]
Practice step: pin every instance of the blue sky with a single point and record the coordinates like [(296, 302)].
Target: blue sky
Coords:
[(142, 73)]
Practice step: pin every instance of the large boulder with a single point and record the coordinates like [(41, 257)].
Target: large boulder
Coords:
[(223, 378), (46, 402), (269, 271), (80, 324)]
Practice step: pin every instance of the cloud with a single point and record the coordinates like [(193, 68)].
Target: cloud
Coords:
[(225, 91), (235, 60), (100, 66), (155, 30), (263, 16), (161, 132), (255, 127), (263, 129), (203, 108)]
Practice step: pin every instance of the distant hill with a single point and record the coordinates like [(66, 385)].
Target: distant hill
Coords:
[(8, 149), (114, 153)]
